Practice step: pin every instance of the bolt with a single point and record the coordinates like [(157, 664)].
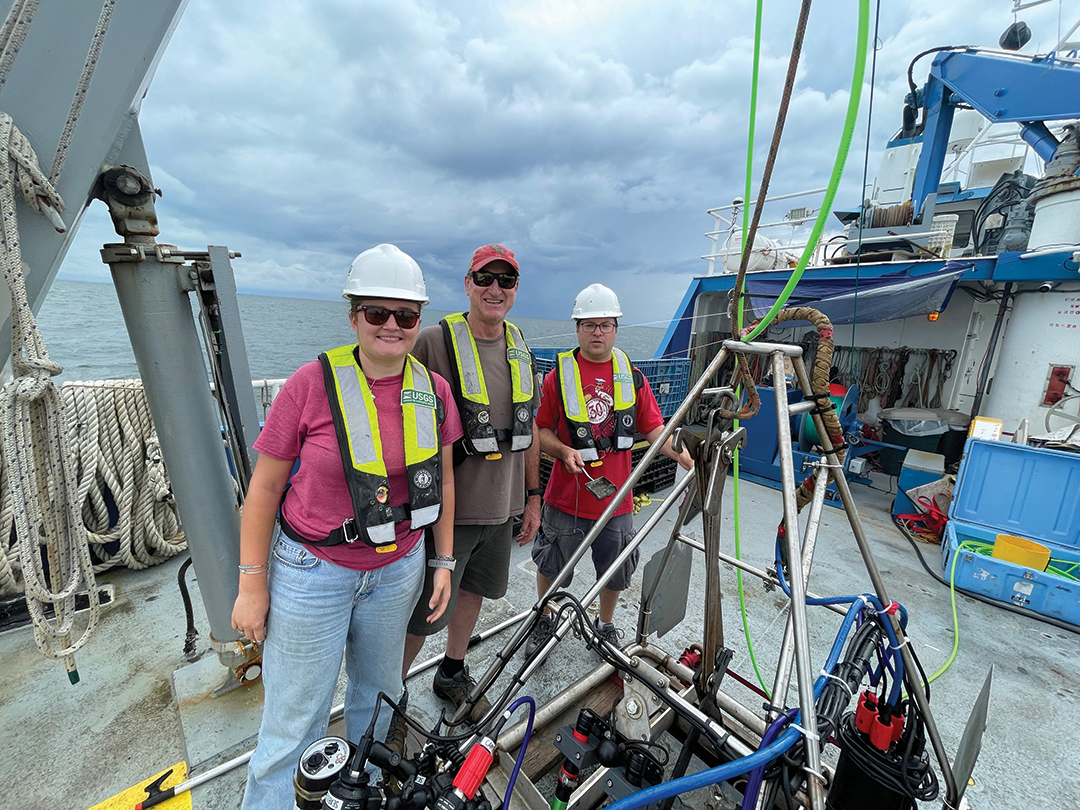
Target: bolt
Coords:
[(999, 92), (128, 184), (610, 783), (633, 708), (661, 682), (558, 738), (577, 755), (645, 736)]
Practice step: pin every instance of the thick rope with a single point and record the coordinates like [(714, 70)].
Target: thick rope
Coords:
[(13, 34), (80, 92), (36, 431)]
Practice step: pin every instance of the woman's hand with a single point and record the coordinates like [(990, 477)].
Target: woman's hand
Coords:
[(251, 609), (440, 593)]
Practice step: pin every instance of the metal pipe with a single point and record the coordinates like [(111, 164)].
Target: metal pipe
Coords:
[(803, 671), (724, 701), (511, 738), (766, 576), (737, 346), (157, 313), (783, 666), (914, 684), (564, 627)]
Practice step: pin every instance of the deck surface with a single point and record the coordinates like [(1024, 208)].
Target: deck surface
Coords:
[(76, 746)]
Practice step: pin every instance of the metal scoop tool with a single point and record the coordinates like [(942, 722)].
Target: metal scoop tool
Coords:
[(600, 487)]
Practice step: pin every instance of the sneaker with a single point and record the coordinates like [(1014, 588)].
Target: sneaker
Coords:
[(611, 634), (456, 690), (544, 630)]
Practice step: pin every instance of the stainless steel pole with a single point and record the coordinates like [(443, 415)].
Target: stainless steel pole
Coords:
[(911, 677), (803, 669)]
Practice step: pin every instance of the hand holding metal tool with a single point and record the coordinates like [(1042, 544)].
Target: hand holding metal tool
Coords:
[(601, 487)]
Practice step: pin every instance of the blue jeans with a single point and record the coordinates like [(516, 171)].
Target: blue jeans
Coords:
[(317, 609)]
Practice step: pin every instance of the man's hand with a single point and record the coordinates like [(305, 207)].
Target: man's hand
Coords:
[(530, 520), (572, 461)]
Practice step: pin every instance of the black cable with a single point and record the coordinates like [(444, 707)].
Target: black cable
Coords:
[(985, 599), (192, 631)]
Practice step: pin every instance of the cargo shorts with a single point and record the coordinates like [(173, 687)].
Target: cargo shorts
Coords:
[(561, 534)]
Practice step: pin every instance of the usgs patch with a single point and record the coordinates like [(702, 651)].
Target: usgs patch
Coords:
[(518, 354), (623, 378), (413, 396)]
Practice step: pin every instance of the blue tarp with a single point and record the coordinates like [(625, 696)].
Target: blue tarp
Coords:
[(870, 300)]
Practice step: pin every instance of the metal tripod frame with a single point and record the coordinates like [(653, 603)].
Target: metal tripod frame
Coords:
[(795, 647)]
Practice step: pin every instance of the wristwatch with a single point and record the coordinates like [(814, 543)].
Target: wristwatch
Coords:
[(538, 491), (446, 561)]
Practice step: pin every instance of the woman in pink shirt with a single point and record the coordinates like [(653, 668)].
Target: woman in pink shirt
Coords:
[(343, 567)]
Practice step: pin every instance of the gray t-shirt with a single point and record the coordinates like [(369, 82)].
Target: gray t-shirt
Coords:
[(487, 493)]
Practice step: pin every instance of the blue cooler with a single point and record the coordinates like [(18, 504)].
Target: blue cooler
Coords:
[(1028, 492)]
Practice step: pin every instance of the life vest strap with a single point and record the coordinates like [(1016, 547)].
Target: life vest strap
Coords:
[(345, 533)]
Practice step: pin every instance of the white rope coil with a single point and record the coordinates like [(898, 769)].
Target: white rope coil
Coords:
[(119, 464)]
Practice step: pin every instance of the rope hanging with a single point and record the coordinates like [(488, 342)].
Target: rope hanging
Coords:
[(36, 430)]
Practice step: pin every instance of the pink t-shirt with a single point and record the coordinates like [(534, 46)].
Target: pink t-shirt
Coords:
[(299, 425), (567, 492)]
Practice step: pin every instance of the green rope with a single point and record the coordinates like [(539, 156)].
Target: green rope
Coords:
[(819, 227)]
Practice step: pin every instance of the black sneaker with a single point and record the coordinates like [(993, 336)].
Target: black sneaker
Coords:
[(456, 690), (611, 634), (545, 629)]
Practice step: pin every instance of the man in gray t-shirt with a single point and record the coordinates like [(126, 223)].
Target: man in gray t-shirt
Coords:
[(491, 487)]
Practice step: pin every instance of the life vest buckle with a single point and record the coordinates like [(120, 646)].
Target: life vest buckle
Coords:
[(348, 531)]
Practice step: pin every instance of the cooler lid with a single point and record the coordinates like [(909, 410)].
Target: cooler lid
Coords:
[(1014, 489)]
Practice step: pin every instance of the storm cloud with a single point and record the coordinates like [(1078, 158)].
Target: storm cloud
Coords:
[(589, 136)]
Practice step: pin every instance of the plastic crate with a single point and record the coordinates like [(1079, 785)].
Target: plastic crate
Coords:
[(669, 379), (545, 359)]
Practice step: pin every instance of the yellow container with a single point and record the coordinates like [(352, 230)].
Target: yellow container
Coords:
[(1021, 551)]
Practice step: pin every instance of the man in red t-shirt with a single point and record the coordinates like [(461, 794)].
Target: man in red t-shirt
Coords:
[(591, 406)]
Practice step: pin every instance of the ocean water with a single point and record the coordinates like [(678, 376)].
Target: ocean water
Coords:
[(84, 330)]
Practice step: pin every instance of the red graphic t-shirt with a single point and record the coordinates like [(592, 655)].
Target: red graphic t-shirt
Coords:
[(567, 492)]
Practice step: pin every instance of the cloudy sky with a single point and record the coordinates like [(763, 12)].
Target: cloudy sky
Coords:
[(590, 136)]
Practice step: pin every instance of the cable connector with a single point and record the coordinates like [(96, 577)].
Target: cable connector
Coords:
[(477, 764), (866, 711)]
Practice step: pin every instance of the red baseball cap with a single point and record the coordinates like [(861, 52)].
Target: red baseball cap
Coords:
[(492, 253)]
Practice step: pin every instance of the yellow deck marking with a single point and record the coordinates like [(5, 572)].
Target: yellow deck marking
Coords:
[(133, 795)]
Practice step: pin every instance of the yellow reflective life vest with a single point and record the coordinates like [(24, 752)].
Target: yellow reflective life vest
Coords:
[(471, 392), (356, 423), (576, 411)]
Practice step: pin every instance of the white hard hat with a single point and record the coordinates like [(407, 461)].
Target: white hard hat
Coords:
[(385, 271), (596, 301)]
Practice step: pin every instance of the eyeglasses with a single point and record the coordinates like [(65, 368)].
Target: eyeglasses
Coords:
[(605, 328), (482, 278), (377, 316)]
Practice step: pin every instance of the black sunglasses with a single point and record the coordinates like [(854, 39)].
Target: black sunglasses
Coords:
[(482, 278), (377, 316)]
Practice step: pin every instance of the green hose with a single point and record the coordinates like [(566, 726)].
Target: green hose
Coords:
[(819, 227)]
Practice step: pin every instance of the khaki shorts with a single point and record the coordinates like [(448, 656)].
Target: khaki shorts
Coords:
[(483, 568)]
